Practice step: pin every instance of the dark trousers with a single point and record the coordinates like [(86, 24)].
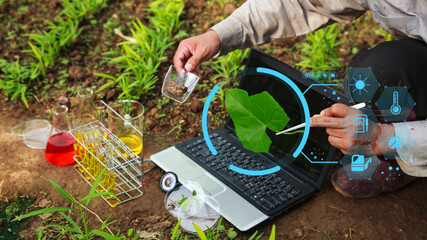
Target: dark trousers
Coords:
[(399, 63)]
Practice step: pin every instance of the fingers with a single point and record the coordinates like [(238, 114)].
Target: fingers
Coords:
[(193, 61), (336, 110), (339, 143), (182, 54), (335, 132), (331, 122), (193, 51)]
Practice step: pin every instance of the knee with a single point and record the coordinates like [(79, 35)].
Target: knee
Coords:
[(390, 60)]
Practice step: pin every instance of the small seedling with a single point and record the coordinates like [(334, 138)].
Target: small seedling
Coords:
[(320, 54), (141, 55)]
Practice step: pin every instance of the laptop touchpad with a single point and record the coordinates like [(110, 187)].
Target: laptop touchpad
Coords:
[(209, 184)]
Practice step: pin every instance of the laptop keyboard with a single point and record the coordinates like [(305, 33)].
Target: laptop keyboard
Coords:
[(269, 193)]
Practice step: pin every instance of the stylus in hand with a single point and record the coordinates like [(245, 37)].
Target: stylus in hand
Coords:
[(357, 106)]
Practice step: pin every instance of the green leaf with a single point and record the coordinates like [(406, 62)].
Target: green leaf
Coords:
[(254, 236), (175, 229), (63, 192), (183, 199), (273, 233), (42, 211), (63, 228), (231, 233), (76, 226), (107, 84), (105, 235), (200, 232), (253, 115), (94, 195)]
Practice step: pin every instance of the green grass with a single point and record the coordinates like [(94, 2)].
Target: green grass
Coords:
[(226, 69), (9, 211), (45, 47), (73, 230), (139, 59), (320, 52), (16, 78), (218, 233)]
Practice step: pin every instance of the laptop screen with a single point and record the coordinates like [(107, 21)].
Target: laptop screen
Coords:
[(317, 147)]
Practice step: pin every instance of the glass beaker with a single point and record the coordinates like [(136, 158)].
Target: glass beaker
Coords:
[(131, 114), (60, 145), (86, 110)]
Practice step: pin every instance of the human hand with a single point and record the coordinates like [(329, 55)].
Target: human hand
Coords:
[(195, 50), (341, 135)]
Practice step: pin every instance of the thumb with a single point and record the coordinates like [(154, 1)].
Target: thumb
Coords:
[(192, 63)]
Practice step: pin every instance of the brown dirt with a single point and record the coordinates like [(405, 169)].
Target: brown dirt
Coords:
[(398, 215)]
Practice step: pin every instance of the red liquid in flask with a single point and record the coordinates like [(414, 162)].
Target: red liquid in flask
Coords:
[(59, 150)]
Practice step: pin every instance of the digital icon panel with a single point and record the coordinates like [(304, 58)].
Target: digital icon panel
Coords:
[(395, 109), (395, 140), (360, 162), (361, 84), (395, 104), (360, 123)]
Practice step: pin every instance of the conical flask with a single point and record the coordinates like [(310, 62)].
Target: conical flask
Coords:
[(59, 149), (86, 110)]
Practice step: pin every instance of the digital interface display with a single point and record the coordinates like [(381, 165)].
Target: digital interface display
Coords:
[(283, 146)]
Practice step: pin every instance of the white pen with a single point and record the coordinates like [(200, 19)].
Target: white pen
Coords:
[(357, 106)]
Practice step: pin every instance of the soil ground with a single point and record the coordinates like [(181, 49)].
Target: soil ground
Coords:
[(25, 172), (397, 215)]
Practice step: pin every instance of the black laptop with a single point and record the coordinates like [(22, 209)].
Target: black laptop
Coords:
[(247, 200)]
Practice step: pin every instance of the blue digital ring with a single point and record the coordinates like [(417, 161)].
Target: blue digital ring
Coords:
[(298, 149)]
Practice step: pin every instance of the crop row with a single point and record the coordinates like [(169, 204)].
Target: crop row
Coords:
[(140, 56), (45, 47)]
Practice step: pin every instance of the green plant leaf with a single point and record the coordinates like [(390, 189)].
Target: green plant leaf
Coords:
[(42, 211), (200, 232), (94, 195), (63, 228), (273, 233), (76, 226), (175, 229), (253, 115), (231, 233), (254, 236), (63, 192), (105, 235), (183, 199)]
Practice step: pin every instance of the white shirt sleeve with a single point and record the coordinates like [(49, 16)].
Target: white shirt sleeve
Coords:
[(260, 21), (413, 147)]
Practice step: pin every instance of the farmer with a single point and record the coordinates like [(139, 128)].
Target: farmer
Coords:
[(395, 63)]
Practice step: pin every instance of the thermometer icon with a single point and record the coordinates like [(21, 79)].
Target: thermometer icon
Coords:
[(395, 109)]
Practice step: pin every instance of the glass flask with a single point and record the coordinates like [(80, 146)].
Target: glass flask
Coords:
[(86, 110), (60, 145), (132, 113)]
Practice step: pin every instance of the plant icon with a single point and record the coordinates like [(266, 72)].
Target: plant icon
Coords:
[(394, 142)]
